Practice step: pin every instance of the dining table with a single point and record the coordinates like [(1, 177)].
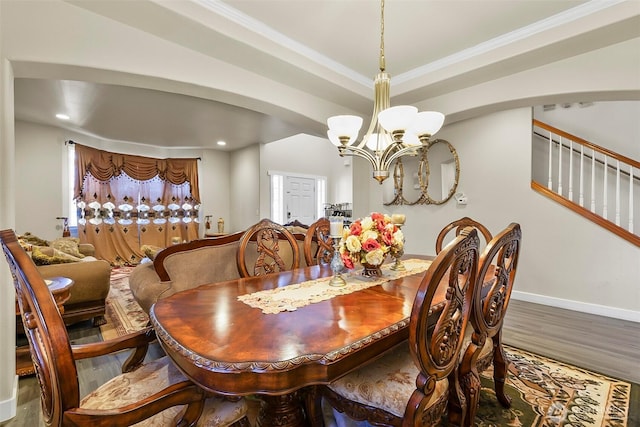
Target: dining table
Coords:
[(276, 336)]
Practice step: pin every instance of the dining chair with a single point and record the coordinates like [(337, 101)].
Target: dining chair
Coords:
[(457, 226), (318, 244), (150, 394), (267, 247), (496, 276), (412, 384)]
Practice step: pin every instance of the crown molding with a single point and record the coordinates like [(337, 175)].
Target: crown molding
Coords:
[(263, 30)]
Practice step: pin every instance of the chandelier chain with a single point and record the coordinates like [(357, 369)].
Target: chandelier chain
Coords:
[(382, 60)]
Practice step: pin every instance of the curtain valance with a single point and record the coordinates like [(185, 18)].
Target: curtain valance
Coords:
[(104, 165)]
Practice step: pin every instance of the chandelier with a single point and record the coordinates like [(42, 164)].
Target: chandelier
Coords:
[(393, 132)]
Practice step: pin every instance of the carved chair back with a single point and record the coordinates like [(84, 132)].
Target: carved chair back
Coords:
[(496, 276), (500, 262), (457, 226), (267, 247), (45, 330), (436, 335), (318, 244)]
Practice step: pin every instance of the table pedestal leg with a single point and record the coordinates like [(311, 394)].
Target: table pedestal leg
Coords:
[(281, 411)]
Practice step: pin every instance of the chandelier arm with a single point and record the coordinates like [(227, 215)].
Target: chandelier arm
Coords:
[(359, 152), (387, 160)]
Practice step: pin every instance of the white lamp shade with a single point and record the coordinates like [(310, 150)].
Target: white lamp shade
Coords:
[(397, 118), (333, 138), (377, 142), (427, 123), (345, 125), (410, 138)]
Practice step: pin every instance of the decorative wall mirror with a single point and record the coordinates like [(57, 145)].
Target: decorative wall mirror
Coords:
[(433, 180)]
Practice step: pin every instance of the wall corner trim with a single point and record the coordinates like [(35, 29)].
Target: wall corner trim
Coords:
[(8, 406)]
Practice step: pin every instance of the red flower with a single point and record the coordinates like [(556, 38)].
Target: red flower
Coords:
[(356, 228), (376, 216), (370, 245), (387, 237), (346, 260)]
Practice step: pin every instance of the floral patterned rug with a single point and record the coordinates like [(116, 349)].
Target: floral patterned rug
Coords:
[(544, 392), (123, 314)]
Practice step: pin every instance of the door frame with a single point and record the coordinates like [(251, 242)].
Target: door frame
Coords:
[(276, 193)]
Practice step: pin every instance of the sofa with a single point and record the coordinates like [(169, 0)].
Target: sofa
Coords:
[(66, 257), (189, 265)]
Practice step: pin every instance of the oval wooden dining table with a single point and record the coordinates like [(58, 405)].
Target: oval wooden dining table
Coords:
[(229, 347)]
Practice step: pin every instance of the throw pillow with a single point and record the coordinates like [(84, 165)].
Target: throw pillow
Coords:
[(68, 245), (33, 239), (43, 255), (150, 251)]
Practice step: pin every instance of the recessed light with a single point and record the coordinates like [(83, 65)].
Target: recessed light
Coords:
[(62, 116), (221, 143)]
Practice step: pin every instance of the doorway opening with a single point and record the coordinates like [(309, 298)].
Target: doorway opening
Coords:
[(297, 197)]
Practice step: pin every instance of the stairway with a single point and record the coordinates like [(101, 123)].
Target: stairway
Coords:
[(592, 181)]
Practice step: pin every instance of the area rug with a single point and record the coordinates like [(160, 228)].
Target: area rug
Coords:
[(123, 314), (544, 392)]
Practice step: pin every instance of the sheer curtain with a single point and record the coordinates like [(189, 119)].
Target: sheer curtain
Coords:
[(128, 201)]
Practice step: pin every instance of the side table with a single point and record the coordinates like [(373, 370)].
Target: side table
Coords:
[(60, 288)]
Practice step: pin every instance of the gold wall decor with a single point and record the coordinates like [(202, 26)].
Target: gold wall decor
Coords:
[(449, 166)]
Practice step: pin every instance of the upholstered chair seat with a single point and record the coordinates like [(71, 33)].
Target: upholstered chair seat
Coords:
[(159, 374), (388, 383)]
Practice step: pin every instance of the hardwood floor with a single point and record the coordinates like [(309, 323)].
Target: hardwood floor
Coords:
[(605, 345), (601, 344)]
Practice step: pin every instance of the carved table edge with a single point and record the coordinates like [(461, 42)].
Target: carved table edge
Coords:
[(284, 365)]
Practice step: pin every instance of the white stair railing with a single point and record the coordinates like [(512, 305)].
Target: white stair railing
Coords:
[(613, 179)]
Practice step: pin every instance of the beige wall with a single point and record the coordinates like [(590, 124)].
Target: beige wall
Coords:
[(245, 188), (566, 261)]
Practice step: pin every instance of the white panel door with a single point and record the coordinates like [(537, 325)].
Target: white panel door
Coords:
[(300, 199)]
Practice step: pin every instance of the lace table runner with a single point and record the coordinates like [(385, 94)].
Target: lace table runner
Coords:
[(292, 297)]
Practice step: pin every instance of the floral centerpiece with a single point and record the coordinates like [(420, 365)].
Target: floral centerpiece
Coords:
[(368, 241)]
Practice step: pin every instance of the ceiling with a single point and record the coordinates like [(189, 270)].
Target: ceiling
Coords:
[(327, 48)]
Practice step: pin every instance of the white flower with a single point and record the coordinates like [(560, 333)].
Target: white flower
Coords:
[(369, 234), (398, 239), (367, 223), (353, 244), (375, 257)]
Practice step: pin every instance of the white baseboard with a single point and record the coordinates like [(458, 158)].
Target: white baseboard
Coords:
[(8, 407), (600, 310)]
